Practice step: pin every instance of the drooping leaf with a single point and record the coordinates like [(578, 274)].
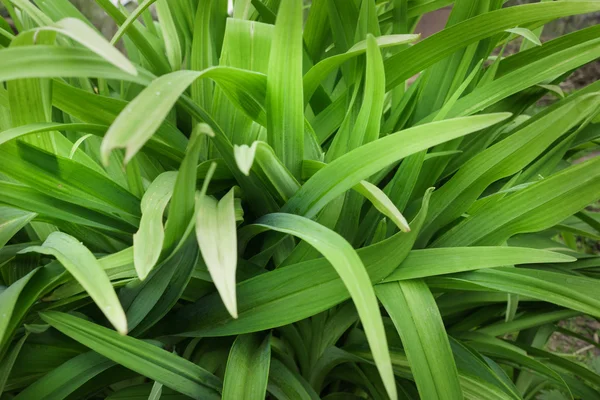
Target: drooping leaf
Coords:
[(145, 358), (84, 267)]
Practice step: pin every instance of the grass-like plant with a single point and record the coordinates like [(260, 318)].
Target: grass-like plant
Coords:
[(243, 206)]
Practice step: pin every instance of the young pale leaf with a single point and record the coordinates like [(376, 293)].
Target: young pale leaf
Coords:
[(148, 240), (278, 175), (217, 238), (284, 101), (81, 263), (433, 262), (351, 270), (317, 73), (146, 359), (371, 192), (143, 6), (90, 38), (415, 314), (181, 209), (526, 34), (156, 391), (169, 32), (134, 126), (248, 366)]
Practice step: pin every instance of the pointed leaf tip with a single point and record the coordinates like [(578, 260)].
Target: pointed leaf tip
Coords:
[(244, 157)]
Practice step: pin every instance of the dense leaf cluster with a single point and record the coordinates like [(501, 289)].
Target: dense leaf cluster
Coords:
[(294, 201)]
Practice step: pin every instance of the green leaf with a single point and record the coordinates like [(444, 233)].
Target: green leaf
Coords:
[(359, 164), (248, 367), (65, 379), (148, 240), (285, 101), (11, 222), (133, 127), (537, 207), (503, 159), (68, 180), (411, 61), (84, 267), (183, 203), (8, 361), (349, 266), (278, 297), (573, 292), (149, 301), (371, 192), (283, 181), (9, 297), (414, 312), (318, 72), (142, 357), (433, 262), (286, 384), (131, 20)]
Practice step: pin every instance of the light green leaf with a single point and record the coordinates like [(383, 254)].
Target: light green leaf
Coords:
[(134, 126), (284, 101), (433, 262), (216, 234), (183, 203), (90, 38), (156, 391), (371, 192), (131, 20), (148, 240), (169, 33), (84, 267), (526, 34)]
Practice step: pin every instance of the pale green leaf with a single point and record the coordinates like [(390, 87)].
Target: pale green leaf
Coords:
[(84, 267), (148, 240)]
